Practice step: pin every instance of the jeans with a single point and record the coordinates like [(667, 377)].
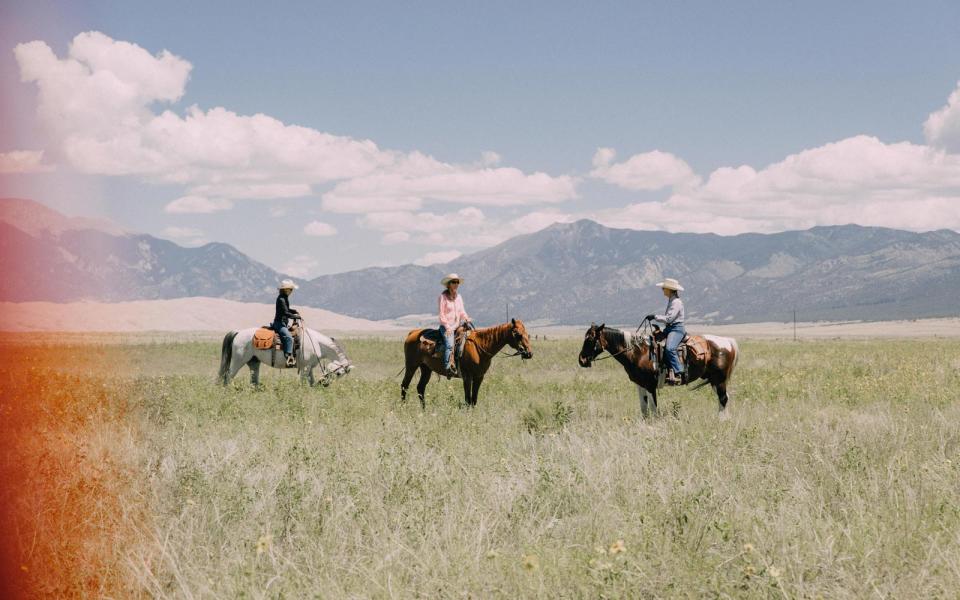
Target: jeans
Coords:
[(285, 338), (675, 334), (448, 341)]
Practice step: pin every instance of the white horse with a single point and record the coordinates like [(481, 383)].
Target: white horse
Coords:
[(316, 350)]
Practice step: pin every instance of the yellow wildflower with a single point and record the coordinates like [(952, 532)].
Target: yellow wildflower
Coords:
[(617, 547), (531, 562), (264, 543), (748, 548)]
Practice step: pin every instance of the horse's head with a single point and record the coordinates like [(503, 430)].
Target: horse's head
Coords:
[(519, 340), (594, 345)]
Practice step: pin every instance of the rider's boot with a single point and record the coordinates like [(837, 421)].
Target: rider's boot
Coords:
[(672, 378), (291, 360)]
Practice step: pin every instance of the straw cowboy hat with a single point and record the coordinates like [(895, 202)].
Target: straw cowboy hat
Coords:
[(671, 284), (287, 284), (451, 277)]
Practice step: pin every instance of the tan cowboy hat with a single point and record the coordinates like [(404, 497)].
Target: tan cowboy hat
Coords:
[(671, 284), (287, 284), (446, 280)]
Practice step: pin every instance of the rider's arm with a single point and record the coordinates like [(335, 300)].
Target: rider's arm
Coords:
[(463, 312), (673, 311)]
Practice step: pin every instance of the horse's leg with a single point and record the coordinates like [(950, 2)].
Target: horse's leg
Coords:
[(643, 401), (235, 365), (407, 377), (467, 381), (254, 365), (425, 373), (475, 389), (722, 398), (654, 408), (309, 375)]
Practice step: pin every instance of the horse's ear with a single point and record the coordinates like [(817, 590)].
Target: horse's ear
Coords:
[(602, 325), (513, 322)]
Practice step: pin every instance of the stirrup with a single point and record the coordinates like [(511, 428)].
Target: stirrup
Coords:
[(291, 360)]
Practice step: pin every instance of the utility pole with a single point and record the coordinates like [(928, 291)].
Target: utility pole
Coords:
[(794, 324), (506, 310)]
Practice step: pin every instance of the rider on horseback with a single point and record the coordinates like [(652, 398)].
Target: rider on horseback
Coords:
[(452, 315), (674, 330), (281, 317)]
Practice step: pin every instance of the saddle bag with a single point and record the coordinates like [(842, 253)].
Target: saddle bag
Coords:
[(698, 349), (263, 338)]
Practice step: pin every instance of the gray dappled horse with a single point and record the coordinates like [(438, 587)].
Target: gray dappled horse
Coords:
[(316, 350), (640, 362)]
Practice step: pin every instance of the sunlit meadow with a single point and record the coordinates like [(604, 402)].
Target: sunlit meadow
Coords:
[(837, 476)]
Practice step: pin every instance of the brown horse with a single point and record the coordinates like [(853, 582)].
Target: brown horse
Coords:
[(480, 348), (640, 361)]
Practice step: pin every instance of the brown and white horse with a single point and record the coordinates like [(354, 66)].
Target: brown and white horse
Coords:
[(635, 355), (480, 348)]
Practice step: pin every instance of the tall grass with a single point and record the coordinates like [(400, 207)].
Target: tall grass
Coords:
[(838, 476)]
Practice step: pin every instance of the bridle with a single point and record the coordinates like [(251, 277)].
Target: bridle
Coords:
[(599, 348)]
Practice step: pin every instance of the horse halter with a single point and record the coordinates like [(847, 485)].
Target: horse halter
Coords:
[(522, 350), (598, 345)]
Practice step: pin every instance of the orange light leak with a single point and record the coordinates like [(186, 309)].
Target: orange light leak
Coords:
[(61, 523)]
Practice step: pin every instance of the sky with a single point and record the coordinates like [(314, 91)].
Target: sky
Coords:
[(320, 137)]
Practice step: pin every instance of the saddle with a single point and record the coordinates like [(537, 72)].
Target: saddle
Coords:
[(691, 347), (431, 342), (265, 338)]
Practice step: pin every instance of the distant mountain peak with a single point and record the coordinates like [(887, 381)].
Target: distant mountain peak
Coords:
[(35, 218)]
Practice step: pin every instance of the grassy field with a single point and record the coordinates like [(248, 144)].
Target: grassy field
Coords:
[(838, 476)]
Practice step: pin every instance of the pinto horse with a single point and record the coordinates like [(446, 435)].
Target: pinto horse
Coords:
[(638, 360), (479, 349)]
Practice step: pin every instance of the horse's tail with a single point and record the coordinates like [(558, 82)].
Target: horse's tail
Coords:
[(226, 356)]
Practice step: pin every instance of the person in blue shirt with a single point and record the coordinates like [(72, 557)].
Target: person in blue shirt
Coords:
[(673, 321)]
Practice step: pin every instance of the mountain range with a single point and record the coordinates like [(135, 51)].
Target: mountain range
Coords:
[(565, 274)]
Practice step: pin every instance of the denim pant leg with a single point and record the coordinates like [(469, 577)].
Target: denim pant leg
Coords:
[(448, 341), (674, 336), (285, 338)]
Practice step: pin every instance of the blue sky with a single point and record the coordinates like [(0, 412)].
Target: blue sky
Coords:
[(725, 117)]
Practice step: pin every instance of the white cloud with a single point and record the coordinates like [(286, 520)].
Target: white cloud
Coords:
[(301, 266), (424, 222), (319, 228), (181, 232), (489, 158), (197, 205), (538, 220), (436, 258), (186, 236), (104, 103), (855, 180), (396, 237), (942, 128), (648, 171), (23, 161), (418, 178)]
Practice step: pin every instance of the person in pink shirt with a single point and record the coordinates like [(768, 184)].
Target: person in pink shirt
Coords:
[(452, 314)]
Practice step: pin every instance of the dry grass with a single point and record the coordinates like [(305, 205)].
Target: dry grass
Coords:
[(836, 477)]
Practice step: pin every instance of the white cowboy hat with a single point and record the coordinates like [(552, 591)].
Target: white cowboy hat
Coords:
[(287, 284), (446, 280), (671, 284)]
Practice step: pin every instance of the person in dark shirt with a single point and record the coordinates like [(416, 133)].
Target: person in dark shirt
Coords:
[(281, 318)]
